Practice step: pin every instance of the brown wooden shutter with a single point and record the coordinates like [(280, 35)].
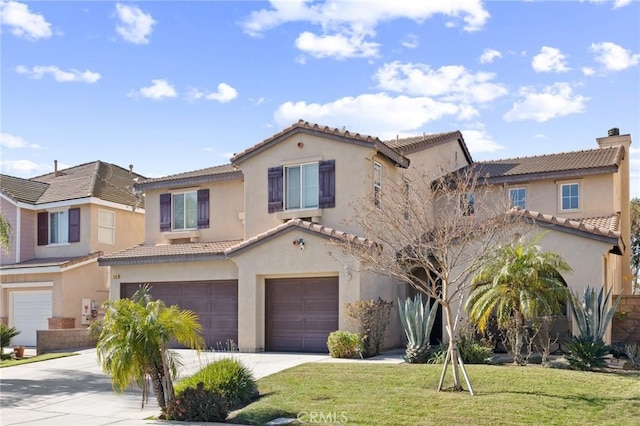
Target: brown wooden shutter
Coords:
[(327, 170), (74, 225), (276, 189), (203, 208), (43, 229), (165, 212)]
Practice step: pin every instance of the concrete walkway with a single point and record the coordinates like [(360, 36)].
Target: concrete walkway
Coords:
[(74, 391)]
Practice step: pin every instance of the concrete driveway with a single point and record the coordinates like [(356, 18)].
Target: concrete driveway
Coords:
[(74, 391)]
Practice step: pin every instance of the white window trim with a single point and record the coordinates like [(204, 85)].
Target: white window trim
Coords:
[(377, 185), (113, 229), (173, 222), (567, 183), (286, 184), (516, 188), (64, 243)]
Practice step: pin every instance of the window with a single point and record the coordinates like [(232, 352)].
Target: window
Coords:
[(377, 184), (106, 227), (185, 210), (58, 227), (517, 197), (302, 186), (467, 204), (570, 196)]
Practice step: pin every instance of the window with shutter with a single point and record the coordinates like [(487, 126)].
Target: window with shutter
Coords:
[(43, 229), (203, 208), (327, 171), (165, 212), (74, 225), (276, 189)]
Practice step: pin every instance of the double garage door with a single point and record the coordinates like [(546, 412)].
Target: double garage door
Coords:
[(215, 303), (301, 312)]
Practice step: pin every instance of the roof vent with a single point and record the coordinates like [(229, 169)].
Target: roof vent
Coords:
[(613, 132)]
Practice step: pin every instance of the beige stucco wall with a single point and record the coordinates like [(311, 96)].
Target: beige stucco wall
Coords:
[(225, 208), (280, 258), (176, 271)]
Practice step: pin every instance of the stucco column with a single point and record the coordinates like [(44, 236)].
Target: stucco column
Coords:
[(251, 316)]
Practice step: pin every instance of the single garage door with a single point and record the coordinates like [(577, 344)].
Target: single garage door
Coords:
[(301, 312), (215, 303), (30, 311)]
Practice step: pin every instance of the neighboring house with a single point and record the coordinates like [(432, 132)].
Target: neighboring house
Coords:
[(247, 245), (62, 222)]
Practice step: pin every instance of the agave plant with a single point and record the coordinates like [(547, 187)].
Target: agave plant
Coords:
[(587, 354), (417, 320), (592, 315)]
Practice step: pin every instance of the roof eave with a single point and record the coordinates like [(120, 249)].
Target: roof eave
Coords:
[(145, 260), (494, 180), (188, 181)]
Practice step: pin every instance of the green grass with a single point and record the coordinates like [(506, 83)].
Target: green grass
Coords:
[(405, 394), (37, 358)]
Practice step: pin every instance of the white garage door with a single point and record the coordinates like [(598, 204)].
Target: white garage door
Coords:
[(30, 311)]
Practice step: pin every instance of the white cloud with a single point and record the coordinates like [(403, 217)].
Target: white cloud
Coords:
[(451, 82), (621, 3), (588, 71), (23, 22), (553, 101), (23, 168), (489, 55), (549, 59), (380, 114), (479, 140), (224, 94), (346, 25), (258, 101), (135, 26), (159, 89), (540, 136), (12, 142), (410, 41), (614, 57), (340, 46), (59, 75)]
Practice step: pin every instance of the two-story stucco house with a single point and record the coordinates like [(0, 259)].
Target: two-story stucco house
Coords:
[(62, 222), (247, 245)]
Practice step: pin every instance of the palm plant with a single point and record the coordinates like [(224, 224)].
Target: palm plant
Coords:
[(520, 282), (6, 234), (6, 334), (133, 343), (417, 320)]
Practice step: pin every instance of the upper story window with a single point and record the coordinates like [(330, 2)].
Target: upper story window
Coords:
[(377, 184), (302, 187), (59, 227), (467, 204), (184, 210), (106, 226), (570, 196), (517, 197)]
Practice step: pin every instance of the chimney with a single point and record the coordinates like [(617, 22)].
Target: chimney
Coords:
[(130, 169), (613, 132), (55, 167)]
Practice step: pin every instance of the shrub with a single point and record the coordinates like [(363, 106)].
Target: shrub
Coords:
[(227, 377), (6, 334), (633, 353), (471, 350), (197, 404), (343, 344), (586, 354), (371, 317)]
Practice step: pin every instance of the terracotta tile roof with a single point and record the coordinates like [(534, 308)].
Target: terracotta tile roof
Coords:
[(601, 226), (22, 190), (167, 252), (599, 160), (106, 181), (222, 172), (297, 223), (326, 131), (62, 262)]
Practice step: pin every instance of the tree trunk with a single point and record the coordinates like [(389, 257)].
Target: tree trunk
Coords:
[(517, 350), (157, 379), (453, 349), (167, 383)]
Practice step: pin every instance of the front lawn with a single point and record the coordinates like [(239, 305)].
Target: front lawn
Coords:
[(37, 358), (405, 394)]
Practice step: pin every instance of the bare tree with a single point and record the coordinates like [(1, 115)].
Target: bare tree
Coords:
[(433, 232)]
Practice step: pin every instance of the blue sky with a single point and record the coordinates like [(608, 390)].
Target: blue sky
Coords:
[(178, 86)]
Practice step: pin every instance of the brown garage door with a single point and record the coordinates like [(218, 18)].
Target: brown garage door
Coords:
[(301, 312), (215, 303)]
